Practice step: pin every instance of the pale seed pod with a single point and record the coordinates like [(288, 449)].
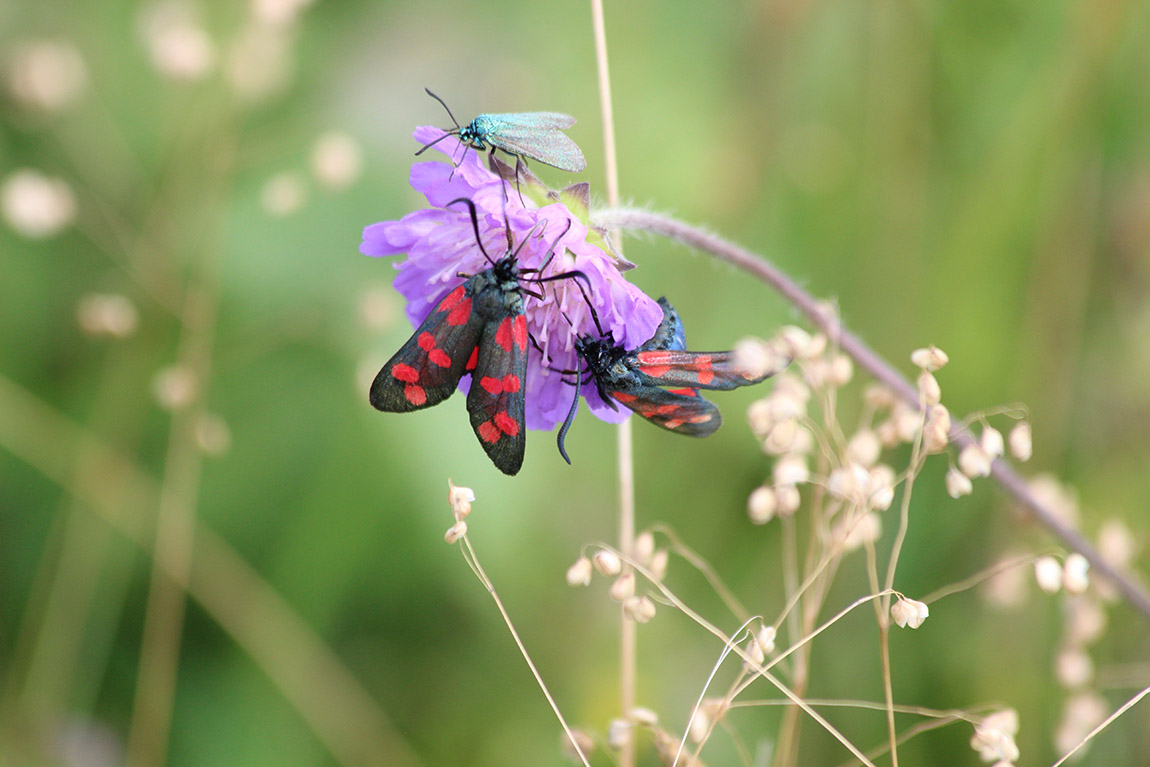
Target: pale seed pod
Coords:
[(1075, 577), (992, 443), (957, 483), (761, 505), (455, 532), (1048, 573), (931, 358), (579, 574), (909, 612), (929, 392), (623, 587), (644, 547), (973, 461), (864, 447), (1020, 442), (788, 499), (607, 562), (658, 566)]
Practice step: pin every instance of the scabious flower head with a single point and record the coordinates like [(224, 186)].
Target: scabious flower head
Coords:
[(440, 244)]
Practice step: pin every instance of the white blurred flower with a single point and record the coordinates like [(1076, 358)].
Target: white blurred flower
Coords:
[(761, 505), (973, 461), (177, 42), (993, 738), (791, 469), (175, 387), (957, 483), (1074, 668), (1075, 574), (336, 160), (930, 358), (460, 499), (1048, 573), (607, 562), (109, 315), (1021, 446), (283, 194), (864, 447), (278, 13), (260, 62), (579, 574), (992, 443), (1081, 714), (35, 205), (46, 74)]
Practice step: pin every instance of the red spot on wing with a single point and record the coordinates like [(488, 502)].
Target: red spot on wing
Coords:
[(519, 328), (506, 424), (451, 299), (488, 432), (511, 383), (491, 385), (684, 392), (666, 409), (460, 313), (706, 374), (673, 423), (426, 341), (503, 335), (415, 394), (405, 373), (655, 363), (439, 357), (656, 371), (624, 397), (473, 359)]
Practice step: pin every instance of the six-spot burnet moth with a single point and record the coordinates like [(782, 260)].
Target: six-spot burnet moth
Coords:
[(478, 328), (537, 135), (636, 378)]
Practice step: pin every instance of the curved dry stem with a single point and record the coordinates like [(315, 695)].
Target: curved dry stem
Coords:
[(640, 220), (1105, 723), (473, 562)]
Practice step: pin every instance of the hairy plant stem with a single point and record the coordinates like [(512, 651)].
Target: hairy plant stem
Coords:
[(632, 219), (625, 450)]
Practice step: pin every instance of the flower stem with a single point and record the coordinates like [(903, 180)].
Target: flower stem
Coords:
[(880, 369)]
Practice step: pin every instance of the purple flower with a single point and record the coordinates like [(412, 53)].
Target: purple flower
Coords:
[(440, 244)]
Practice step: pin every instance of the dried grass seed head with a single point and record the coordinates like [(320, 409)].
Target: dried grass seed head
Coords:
[(658, 566), (460, 499), (639, 609), (855, 531), (791, 469), (864, 447), (644, 547), (788, 499), (909, 613), (1073, 668), (936, 433), (929, 392), (110, 315)]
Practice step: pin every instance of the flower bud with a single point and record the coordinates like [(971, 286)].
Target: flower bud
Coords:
[(766, 639)]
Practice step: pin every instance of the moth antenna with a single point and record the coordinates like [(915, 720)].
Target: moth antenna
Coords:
[(474, 225), (567, 423), (441, 102)]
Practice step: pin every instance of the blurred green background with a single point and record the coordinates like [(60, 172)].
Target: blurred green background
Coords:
[(971, 174)]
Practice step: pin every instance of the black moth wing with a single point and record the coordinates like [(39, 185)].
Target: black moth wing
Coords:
[(682, 411), (703, 370), (426, 370), (495, 401)]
